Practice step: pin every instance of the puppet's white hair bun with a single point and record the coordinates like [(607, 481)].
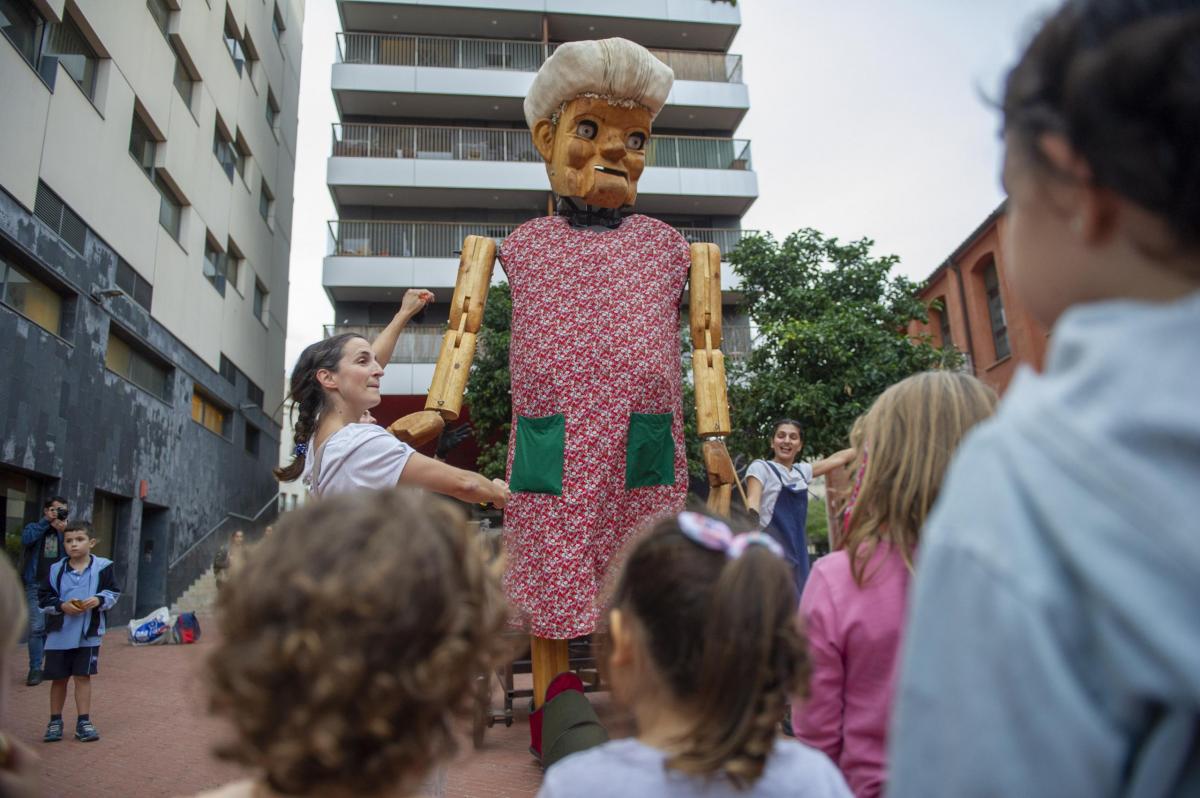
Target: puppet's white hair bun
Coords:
[(616, 69)]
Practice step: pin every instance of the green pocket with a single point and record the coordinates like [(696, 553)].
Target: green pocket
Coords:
[(538, 459), (649, 451)]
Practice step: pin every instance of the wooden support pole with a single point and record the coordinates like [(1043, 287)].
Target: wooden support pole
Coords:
[(549, 660)]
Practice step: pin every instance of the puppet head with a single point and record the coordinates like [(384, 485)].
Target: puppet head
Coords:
[(590, 110)]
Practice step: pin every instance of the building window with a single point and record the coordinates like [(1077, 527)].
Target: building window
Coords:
[(254, 394), (943, 320), (228, 370), (252, 436), (991, 283), (128, 361), (207, 414), (242, 150), (214, 265), (250, 53), (161, 13), (59, 218), (170, 208), (260, 302), (266, 203), (272, 109), (65, 42), (19, 497), (184, 80), (277, 26), (30, 297), (227, 154), (23, 26), (233, 265), (142, 144), (233, 41), (134, 284)]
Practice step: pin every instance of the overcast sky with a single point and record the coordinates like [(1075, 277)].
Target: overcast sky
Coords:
[(867, 118)]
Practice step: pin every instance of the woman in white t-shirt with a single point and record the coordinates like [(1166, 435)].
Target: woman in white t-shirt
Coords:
[(334, 382), (777, 490)]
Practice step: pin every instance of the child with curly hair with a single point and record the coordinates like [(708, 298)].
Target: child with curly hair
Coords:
[(853, 603), (349, 644), (705, 649)]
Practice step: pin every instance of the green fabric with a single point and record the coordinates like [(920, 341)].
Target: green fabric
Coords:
[(649, 451), (569, 725), (538, 459)]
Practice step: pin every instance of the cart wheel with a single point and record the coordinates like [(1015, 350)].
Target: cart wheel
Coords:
[(507, 722)]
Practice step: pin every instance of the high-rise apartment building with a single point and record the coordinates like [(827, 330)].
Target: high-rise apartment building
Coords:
[(432, 146), (147, 151)]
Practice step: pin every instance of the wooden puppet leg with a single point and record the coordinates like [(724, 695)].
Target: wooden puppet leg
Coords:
[(549, 660)]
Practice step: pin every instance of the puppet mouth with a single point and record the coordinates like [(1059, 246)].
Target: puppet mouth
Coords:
[(608, 170)]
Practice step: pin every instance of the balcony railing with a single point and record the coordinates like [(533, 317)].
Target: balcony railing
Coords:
[(426, 142), (419, 343), (510, 55), (383, 239)]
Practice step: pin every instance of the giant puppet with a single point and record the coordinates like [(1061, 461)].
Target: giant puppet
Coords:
[(597, 442)]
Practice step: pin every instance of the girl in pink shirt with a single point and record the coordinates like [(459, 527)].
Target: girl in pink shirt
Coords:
[(853, 603)]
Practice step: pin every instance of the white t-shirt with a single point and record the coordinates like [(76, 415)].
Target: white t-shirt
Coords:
[(800, 475), (357, 457), (627, 768)]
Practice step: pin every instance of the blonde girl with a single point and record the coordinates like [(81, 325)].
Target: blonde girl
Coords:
[(854, 602)]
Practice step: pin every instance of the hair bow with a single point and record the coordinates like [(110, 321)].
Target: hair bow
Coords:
[(716, 535), (301, 449)]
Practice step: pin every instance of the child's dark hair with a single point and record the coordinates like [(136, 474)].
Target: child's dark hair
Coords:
[(724, 636), (79, 526), (309, 396), (1121, 82), (350, 642)]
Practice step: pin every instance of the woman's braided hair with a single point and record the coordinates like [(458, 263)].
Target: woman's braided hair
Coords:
[(351, 639), (1121, 82), (309, 396), (724, 636)]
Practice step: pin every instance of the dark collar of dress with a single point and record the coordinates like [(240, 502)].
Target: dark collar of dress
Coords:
[(589, 217)]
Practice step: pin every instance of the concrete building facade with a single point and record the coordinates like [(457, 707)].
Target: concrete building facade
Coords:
[(973, 308), (147, 152), (432, 146)]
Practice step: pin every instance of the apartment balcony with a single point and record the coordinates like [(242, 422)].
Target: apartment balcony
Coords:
[(702, 24), (449, 167), (459, 77), (378, 260), (419, 343)]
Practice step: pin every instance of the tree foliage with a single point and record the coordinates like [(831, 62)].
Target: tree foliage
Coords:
[(489, 386), (832, 335)]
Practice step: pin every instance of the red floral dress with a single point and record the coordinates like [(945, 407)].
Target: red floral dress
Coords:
[(595, 337)]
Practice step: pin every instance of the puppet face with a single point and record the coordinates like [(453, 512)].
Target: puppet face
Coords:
[(596, 152)]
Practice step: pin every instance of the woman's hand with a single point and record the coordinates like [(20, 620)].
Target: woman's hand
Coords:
[(415, 300), (504, 495)]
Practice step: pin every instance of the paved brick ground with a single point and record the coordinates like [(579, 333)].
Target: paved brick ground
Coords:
[(156, 737)]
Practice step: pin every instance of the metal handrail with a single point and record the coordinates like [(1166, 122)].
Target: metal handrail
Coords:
[(460, 143), (237, 516), (513, 55), (411, 239)]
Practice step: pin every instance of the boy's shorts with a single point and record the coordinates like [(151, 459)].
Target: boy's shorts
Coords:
[(71, 662)]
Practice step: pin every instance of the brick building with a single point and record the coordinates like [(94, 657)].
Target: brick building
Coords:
[(972, 308)]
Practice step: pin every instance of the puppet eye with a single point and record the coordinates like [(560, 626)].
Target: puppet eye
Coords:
[(586, 129), (635, 141)]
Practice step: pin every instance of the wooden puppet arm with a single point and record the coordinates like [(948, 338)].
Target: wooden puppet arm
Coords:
[(444, 402), (708, 371)]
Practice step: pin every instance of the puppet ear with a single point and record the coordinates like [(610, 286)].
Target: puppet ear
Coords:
[(543, 138)]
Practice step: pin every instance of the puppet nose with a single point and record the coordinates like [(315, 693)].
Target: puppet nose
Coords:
[(613, 149)]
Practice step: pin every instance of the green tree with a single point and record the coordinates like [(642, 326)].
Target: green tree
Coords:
[(489, 394), (832, 335)]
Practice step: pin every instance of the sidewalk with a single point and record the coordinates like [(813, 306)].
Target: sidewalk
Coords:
[(156, 736)]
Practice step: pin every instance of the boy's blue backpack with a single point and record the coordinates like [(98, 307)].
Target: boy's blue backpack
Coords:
[(187, 628)]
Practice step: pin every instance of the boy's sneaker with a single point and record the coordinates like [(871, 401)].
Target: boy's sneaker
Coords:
[(85, 732), (54, 731)]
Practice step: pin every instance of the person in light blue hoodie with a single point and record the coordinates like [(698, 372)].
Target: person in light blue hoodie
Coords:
[(77, 593), (1053, 647)]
